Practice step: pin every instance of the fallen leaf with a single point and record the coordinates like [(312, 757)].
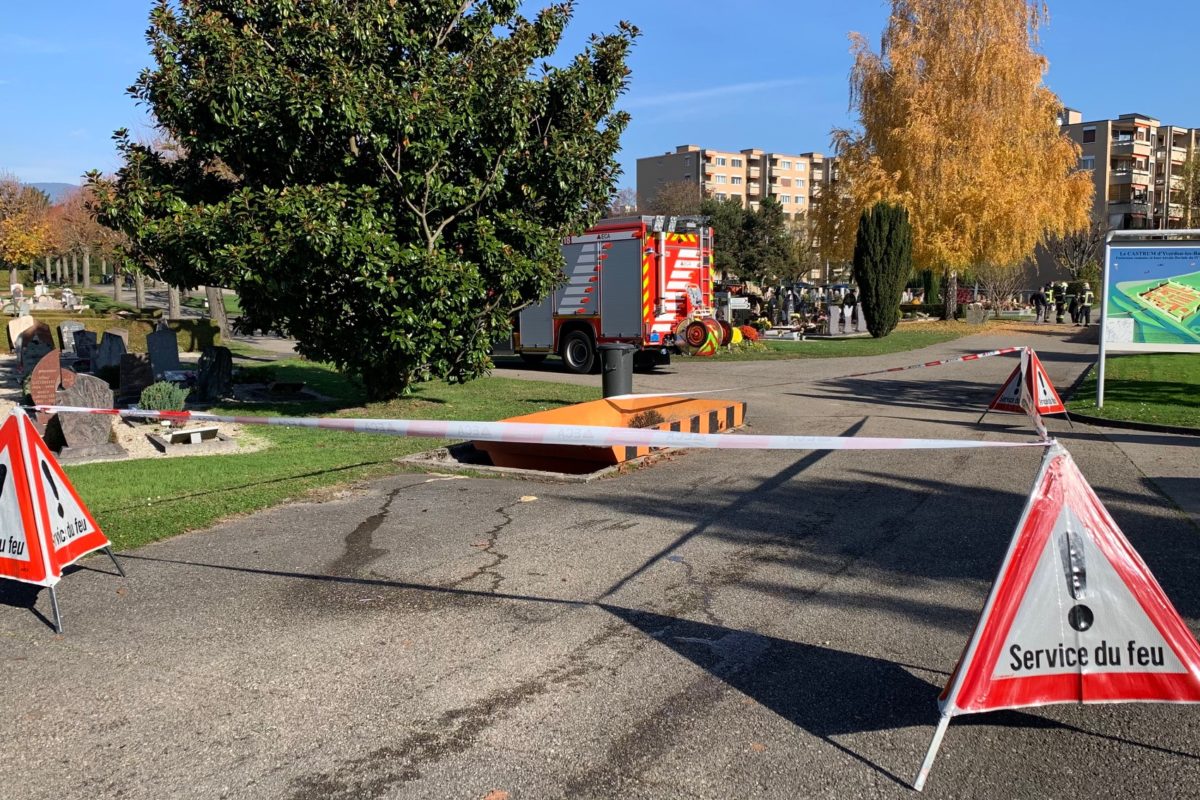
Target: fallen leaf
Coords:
[(496, 794), (757, 747), (528, 498), (484, 544)]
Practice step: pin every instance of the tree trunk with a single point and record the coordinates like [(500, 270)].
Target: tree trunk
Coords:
[(58, 270), (12, 276), (949, 294), (116, 283), (174, 310), (87, 269), (216, 308), (139, 290), (46, 278), (73, 278)]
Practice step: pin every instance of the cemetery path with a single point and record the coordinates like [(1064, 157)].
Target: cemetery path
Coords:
[(724, 624)]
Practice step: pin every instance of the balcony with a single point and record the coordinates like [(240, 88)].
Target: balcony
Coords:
[(818, 175), (754, 172), (753, 189), (1126, 207), (1175, 211), (1129, 147), (1121, 176)]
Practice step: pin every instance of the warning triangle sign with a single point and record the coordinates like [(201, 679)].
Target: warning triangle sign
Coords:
[(1075, 615), (44, 526), (71, 532), (1031, 376), (21, 554)]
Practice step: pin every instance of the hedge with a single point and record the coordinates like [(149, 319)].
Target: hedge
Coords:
[(194, 334)]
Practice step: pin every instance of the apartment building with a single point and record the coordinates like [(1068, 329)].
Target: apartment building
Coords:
[(747, 175), (1135, 162)]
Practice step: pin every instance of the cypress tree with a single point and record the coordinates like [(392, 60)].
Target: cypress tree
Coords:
[(882, 264)]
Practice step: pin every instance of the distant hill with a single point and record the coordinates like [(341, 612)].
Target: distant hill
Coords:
[(55, 191)]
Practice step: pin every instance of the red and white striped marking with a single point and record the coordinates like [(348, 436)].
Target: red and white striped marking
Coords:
[(536, 433)]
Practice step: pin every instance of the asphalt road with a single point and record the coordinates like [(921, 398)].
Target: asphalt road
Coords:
[(722, 625)]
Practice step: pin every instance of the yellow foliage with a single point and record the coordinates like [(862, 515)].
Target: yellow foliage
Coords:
[(958, 127), (23, 226)]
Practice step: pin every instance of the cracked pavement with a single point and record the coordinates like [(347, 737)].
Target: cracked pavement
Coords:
[(723, 624)]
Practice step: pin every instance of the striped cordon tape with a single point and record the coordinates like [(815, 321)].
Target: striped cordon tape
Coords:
[(957, 359), (540, 433)]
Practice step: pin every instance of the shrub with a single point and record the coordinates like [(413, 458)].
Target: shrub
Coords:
[(750, 333), (163, 396)]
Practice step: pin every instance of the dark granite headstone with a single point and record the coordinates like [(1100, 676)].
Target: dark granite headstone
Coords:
[(66, 335), (163, 349), (87, 436), (112, 347), (214, 379), (34, 344), (136, 375), (85, 349)]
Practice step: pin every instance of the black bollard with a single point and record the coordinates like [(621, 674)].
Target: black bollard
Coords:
[(617, 369)]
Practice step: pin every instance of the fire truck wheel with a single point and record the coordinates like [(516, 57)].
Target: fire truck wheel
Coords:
[(577, 353), (533, 359)]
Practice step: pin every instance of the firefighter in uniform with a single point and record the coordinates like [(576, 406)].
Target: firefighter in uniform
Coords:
[(1049, 292), (1085, 306), (1060, 302)]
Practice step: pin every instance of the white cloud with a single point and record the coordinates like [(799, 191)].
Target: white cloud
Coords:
[(674, 98), (14, 43)]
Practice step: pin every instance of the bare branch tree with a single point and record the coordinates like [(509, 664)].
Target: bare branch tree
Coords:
[(1078, 252)]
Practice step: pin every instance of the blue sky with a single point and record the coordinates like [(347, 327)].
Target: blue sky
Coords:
[(775, 69)]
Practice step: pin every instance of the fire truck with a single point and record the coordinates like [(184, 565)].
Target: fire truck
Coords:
[(628, 279)]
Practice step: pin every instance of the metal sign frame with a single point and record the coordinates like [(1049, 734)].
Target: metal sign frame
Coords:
[(1184, 237)]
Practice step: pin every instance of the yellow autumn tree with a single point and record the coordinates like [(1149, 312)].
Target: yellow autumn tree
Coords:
[(23, 225), (957, 126)]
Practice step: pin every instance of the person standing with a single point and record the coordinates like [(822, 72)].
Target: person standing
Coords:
[(1073, 309), (1060, 302), (1039, 306), (1085, 307)]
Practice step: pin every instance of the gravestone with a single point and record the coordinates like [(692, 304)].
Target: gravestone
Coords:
[(112, 347), (66, 335), (860, 321), (976, 315), (67, 377), (87, 436), (16, 327), (136, 375), (163, 349), (214, 379), (835, 321), (43, 384), (33, 345), (23, 308), (122, 334), (85, 350)]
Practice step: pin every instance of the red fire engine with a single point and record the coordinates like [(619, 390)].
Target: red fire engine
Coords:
[(629, 279)]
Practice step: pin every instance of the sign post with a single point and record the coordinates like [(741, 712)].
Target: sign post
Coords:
[(1151, 295)]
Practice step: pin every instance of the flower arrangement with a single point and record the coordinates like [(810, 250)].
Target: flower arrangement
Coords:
[(749, 333)]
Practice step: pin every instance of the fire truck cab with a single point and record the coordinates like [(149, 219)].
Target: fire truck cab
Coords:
[(628, 279)]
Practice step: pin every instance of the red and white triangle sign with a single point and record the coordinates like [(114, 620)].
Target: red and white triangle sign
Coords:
[(1075, 616), (1031, 376), (44, 525)]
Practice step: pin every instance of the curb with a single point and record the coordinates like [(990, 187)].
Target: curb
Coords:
[(1102, 422)]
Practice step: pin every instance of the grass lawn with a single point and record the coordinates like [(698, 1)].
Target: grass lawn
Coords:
[(233, 306), (1161, 388), (912, 336), (136, 502)]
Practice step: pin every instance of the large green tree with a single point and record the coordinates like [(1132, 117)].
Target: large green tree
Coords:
[(767, 245), (882, 264), (727, 218), (385, 181)]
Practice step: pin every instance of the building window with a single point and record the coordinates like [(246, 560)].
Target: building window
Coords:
[(720, 195), (799, 199), (785, 164), (785, 182), (1087, 162), (737, 162), (799, 166), (736, 180), (687, 176), (799, 183), (720, 161), (1089, 135), (722, 179), (785, 198)]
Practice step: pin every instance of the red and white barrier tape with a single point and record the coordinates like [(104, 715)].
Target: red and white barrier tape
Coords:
[(968, 357), (537, 433)]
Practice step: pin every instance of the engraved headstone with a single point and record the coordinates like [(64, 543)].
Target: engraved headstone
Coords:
[(87, 435), (860, 321), (136, 375), (835, 321), (34, 344), (43, 383), (112, 347), (163, 349), (16, 327), (214, 378), (66, 335)]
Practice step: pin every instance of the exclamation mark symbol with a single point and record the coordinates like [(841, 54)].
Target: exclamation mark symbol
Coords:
[(53, 486), (3, 478)]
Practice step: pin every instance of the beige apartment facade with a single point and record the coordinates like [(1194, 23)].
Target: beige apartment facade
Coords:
[(745, 175), (1136, 164)]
